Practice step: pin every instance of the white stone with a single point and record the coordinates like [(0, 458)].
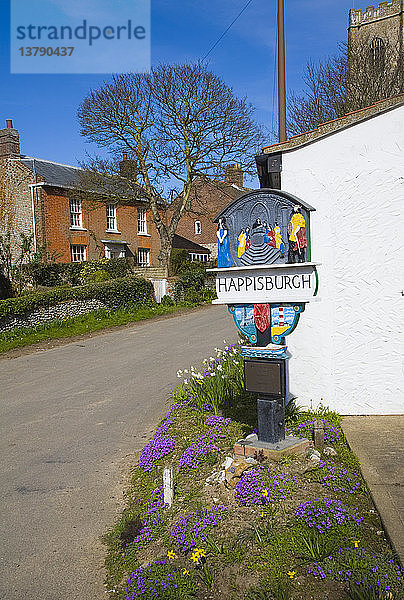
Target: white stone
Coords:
[(227, 462), (330, 451)]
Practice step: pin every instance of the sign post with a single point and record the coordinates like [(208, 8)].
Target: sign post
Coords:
[(266, 277)]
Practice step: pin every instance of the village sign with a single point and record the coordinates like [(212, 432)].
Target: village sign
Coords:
[(265, 276)]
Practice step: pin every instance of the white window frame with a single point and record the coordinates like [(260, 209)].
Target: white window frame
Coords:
[(110, 248), (111, 218), (142, 221), (198, 228), (78, 253), (76, 215), (143, 257), (195, 256)]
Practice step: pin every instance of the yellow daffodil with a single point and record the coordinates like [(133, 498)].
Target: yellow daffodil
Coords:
[(264, 492), (291, 574), (262, 514), (201, 552), (185, 572), (356, 543), (171, 555), (195, 557)]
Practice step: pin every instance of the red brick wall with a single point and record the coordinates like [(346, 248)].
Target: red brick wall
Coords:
[(206, 201), (59, 236)]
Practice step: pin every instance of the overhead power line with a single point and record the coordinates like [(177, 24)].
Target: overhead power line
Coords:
[(226, 30)]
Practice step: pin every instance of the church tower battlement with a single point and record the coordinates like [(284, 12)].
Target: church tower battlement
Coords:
[(385, 10)]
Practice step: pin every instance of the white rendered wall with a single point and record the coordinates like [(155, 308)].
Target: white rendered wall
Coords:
[(347, 348)]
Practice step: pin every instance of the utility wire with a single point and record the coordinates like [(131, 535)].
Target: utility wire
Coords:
[(226, 30)]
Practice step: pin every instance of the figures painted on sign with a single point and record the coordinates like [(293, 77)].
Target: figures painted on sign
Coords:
[(278, 239), (297, 237), (248, 239), (242, 238), (269, 235), (223, 245)]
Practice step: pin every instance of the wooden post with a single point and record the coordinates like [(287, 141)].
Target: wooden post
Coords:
[(319, 434), (281, 73), (168, 486)]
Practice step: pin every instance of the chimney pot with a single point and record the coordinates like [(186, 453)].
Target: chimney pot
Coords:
[(234, 175), (125, 156), (9, 141)]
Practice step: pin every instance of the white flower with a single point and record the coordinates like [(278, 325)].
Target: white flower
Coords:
[(219, 368), (186, 371), (185, 381), (211, 359), (179, 373)]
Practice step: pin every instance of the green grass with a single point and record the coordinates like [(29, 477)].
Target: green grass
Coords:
[(257, 552), (94, 321)]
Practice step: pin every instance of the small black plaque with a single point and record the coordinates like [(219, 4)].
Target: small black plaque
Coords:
[(265, 377)]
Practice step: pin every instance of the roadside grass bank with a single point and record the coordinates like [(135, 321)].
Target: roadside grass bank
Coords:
[(297, 529), (87, 323)]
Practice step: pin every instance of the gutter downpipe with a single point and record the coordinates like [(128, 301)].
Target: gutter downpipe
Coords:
[(34, 186)]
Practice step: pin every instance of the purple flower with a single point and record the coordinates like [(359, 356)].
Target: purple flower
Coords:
[(262, 485), (326, 514), (192, 527)]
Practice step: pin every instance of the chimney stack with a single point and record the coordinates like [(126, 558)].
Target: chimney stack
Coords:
[(234, 175), (128, 167), (9, 141)]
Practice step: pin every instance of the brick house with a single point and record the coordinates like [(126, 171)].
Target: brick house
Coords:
[(43, 198), (207, 199)]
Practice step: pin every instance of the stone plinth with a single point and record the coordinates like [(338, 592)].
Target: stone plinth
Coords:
[(251, 446)]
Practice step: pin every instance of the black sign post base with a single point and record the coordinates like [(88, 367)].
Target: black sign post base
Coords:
[(268, 377), (271, 420)]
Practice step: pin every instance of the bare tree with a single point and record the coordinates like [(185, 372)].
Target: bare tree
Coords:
[(176, 123), (359, 75)]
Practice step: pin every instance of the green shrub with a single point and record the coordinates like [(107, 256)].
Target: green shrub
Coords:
[(190, 282), (5, 287), (167, 301), (56, 274), (179, 261), (114, 293), (99, 276), (92, 272)]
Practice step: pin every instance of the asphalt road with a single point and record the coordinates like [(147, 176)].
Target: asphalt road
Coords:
[(71, 421)]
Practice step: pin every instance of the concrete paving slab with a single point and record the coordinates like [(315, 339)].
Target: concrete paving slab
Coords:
[(378, 442)]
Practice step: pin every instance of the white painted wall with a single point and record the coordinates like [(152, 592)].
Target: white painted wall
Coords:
[(348, 345)]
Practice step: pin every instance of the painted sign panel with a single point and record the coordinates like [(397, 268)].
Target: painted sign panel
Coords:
[(258, 285), (266, 323), (264, 227)]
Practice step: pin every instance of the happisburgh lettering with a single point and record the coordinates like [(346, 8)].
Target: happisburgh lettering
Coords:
[(259, 283)]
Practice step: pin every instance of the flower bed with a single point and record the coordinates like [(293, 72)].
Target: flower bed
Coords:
[(290, 530)]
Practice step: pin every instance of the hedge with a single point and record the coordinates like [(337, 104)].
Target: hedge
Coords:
[(114, 293), (53, 274)]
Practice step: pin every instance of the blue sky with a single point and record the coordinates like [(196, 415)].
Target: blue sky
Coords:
[(44, 107)]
